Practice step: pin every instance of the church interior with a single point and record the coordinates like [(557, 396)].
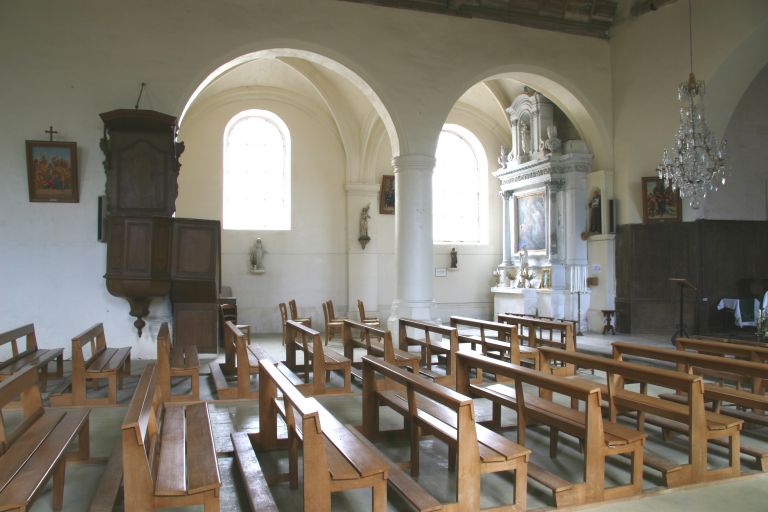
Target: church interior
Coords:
[(168, 167)]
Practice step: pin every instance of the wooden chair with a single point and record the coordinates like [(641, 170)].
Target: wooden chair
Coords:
[(34, 449), (169, 459), (176, 362), (333, 324), (283, 319), (364, 319), (295, 314)]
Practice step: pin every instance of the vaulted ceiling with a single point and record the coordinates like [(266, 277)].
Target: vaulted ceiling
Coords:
[(592, 18)]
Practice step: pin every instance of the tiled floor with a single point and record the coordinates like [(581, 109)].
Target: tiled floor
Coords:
[(748, 493)]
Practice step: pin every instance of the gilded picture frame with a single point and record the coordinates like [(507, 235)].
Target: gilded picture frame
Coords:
[(660, 204), (52, 171), (387, 195)]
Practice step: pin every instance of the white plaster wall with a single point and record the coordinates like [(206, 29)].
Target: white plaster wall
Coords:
[(65, 62), (650, 57), (307, 263), (745, 196)]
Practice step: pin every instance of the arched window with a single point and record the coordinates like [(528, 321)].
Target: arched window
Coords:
[(257, 172), (459, 183)]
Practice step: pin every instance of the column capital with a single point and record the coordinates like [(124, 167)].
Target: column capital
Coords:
[(404, 163)]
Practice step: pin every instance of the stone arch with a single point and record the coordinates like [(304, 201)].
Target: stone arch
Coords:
[(336, 65)]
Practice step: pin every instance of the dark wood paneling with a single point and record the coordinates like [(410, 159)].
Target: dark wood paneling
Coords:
[(716, 256), (196, 324), (195, 267)]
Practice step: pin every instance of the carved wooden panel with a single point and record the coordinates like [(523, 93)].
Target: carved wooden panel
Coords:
[(196, 324), (195, 267)]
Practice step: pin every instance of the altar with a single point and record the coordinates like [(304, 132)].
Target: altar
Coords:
[(543, 191)]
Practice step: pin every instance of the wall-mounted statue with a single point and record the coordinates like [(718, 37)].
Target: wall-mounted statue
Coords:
[(364, 238)]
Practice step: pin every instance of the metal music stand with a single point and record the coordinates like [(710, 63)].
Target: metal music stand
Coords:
[(683, 284)]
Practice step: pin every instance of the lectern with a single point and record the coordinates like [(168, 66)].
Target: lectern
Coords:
[(683, 284)]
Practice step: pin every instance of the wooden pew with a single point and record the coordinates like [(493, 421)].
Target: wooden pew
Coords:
[(103, 363), (322, 360), (244, 364), (600, 438), (700, 425), (530, 328), (333, 460), (430, 339), (431, 409), (748, 352), (29, 354), (496, 338), (169, 459), (175, 362), (34, 450), (376, 342), (718, 394)]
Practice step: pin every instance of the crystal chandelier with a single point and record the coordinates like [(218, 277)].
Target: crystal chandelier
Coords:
[(696, 163)]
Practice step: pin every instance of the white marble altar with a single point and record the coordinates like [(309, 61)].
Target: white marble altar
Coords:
[(543, 191)]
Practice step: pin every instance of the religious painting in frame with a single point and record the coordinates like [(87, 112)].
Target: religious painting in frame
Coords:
[(387, 195), (660, 204), (530, 221), (52, 171)]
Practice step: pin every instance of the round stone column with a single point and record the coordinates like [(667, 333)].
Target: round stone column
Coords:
[(413, 238)]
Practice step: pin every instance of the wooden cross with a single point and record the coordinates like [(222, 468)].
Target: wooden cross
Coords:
[(50, 131)]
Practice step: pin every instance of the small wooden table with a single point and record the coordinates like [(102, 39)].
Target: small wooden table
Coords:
[(608, 327)]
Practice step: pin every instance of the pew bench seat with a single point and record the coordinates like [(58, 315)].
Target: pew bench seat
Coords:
[(35, 449), (257, 489), (29, 355), (169, 458)]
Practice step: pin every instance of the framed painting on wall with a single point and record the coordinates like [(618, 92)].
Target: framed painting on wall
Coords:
[(52, 171), (387, 195), (530, 221), (660, 204)]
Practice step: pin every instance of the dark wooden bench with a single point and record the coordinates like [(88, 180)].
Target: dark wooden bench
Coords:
[(699, 425), (318, 360), (599, 438), (169, 459), (34, 450), (244, 364), (719, 395), (179, 361), (29, 354), (333, 459), (93, 361), (376, 342), (431, 409), (431, 339)]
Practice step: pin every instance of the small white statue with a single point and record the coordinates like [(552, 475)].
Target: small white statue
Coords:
[(257, 255)]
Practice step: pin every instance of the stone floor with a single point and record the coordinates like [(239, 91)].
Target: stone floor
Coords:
[(747, 493)]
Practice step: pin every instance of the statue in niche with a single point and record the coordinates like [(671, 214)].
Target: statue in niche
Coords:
[(552, 145), (595, 214), (454, 258), (257, 255), (525, 138)]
